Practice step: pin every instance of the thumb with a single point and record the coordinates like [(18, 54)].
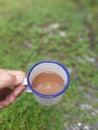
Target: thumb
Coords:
[(6, 79)]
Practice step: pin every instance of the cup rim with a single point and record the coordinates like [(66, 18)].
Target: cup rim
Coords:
[(52, 95)]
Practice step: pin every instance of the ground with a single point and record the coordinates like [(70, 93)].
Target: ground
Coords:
[(64, 31)]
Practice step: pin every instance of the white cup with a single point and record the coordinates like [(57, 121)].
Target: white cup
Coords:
[(44, 66)]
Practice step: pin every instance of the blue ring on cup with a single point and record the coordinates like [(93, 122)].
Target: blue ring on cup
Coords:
[(53, 95)]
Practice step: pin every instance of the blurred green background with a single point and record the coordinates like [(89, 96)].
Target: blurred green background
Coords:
[(60, 30)]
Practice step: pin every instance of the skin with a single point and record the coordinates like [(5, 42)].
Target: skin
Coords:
[(10, 86)]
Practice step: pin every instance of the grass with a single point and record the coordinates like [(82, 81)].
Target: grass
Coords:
[(26, 37)]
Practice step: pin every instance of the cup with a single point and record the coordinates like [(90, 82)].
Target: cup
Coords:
[(44, 66)]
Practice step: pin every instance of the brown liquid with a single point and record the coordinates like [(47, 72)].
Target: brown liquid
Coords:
[(48, 83)]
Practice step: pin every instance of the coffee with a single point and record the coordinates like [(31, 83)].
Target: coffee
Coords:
[(48, 83)]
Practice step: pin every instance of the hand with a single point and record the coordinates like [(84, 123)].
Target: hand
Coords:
[(10, 86)]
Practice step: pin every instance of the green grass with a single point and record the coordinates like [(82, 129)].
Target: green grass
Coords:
[(23, 43)]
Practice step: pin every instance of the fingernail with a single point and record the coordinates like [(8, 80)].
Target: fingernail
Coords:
[(1, 107)]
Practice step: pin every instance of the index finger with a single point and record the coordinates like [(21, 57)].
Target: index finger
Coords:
[(20, 75)]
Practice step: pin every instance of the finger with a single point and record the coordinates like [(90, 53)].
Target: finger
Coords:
[(1, 107), (17, 91), (20, 75), (6, 79), (12, 97), (8, 101)]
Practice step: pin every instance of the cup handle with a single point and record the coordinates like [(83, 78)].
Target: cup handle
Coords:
[(25, 83)]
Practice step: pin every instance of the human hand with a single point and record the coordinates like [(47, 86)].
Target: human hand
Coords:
[(10, 86)]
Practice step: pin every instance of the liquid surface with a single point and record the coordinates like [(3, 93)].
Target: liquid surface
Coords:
[(48, 83)]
